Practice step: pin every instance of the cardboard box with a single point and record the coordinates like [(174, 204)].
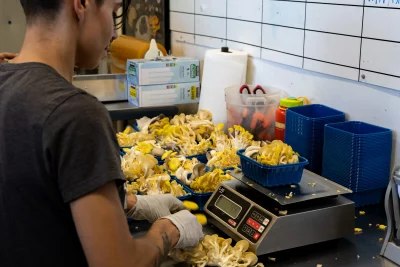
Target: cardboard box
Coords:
[(163, 71), (163, 95)]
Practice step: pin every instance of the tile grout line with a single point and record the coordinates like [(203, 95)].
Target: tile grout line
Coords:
[(226, 22), (304, 36), (262, 20), (362, 32), (364, 7)]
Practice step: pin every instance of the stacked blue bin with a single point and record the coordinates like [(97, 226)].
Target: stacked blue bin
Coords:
[(357, 155), (305, 131)]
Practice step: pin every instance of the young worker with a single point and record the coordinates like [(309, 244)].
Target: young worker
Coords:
[(59, 162)]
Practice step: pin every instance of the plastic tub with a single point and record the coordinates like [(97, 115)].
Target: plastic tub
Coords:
[(305, 131), (255, 113), (357, 155), (271, 176)]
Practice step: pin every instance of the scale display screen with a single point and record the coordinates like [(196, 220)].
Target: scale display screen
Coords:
[(228, 206)]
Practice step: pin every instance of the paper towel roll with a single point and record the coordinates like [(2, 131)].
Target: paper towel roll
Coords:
[(221, 70)]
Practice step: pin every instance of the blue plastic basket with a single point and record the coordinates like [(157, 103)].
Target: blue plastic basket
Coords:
[(200, 199), (202, 158), (305, 131), (270, 176), (357, 155), (366, 198), (185, 188), (135, 126)]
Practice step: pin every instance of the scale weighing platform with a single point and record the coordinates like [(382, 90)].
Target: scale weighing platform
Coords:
[(280, 218)]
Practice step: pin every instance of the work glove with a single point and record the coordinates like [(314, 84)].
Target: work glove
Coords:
[(154, 207), (190, 230)]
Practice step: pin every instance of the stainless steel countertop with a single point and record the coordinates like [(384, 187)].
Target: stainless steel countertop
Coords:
[(127, 111), (360, 250)]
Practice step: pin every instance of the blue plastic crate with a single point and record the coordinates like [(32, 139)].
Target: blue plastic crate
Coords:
[(305, 131), (270, 176), (357, 155), (366, 198)]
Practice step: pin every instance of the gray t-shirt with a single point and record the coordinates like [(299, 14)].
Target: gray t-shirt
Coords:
[(56, 144)]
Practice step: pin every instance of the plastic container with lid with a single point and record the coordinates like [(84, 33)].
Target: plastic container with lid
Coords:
[(280, 115), (248, 110)]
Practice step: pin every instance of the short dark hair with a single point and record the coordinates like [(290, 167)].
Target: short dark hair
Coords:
[(49, 9)]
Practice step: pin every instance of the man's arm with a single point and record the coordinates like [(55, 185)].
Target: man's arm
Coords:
[(105, 237)]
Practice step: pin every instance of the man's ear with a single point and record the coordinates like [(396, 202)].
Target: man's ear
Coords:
[(80, 7)]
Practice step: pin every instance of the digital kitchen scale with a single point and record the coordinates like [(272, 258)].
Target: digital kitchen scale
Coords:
[(280, 218)]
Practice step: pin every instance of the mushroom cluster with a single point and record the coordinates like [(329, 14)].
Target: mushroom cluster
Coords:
[(273, 154), (217, 251)]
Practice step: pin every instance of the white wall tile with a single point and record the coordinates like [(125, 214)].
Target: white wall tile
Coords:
[(209, 41), (283, 13), (182, 22), (331, 69), (245, 32), (333, 48), (377, 29), (183, 37), (380, 56), (324, 18), (252, 50), (380, 80), (252, 10), (282, 58), (211, 7), (383, 3), (343, 2), (283, 39), (182, 5), (210, 26)]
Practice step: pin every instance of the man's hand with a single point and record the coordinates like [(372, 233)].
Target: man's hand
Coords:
[(152, 208), (190, 230), (4, 56)]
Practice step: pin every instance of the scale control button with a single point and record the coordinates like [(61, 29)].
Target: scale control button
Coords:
[(256, 236), (232, 222), (261, 229), (265, 222), (253, 223)]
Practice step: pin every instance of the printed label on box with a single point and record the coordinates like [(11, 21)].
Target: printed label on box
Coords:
[(153, 72), (133, 92), (162, 95)]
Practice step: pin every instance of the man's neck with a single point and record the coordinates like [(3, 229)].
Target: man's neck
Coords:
[(51, 46)]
